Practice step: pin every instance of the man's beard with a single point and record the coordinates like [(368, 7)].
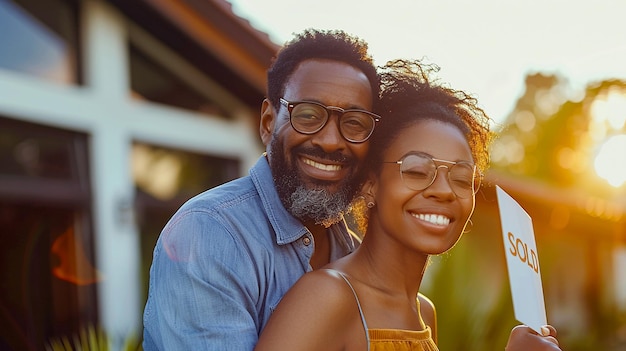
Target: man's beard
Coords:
[(318, 203)]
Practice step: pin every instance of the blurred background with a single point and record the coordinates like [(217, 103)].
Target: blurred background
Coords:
[(113, 113)]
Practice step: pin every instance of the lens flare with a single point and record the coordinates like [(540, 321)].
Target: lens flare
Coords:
[(610, 163), (74, 266)]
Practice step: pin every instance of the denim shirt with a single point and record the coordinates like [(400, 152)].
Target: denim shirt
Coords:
[(223, 262)]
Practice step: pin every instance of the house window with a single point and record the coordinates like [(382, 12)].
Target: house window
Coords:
[(152, 81), (40, 38), (164, 179), (47, 268)]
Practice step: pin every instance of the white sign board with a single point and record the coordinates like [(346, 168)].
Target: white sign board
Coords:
[(522, 262)]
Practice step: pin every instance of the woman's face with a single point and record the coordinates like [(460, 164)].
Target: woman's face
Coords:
[(431, 220)]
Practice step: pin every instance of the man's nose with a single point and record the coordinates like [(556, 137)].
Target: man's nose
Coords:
[(329, 137)]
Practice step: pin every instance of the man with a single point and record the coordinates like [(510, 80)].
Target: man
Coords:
[(225, 259)]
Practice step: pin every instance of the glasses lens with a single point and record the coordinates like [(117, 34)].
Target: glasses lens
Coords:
[(417, 171), (461, 176), (308, 118), (356, 126)]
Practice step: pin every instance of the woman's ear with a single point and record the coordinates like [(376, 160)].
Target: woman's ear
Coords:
[(369, 189), (268, 119)]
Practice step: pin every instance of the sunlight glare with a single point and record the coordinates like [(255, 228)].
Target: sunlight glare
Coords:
[(610, 163), (611, 108)]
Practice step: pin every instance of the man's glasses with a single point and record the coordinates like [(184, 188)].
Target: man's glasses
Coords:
[(308, 117), (418, 172)]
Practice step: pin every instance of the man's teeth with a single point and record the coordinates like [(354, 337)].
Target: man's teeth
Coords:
[(433, 218), (321, 165)]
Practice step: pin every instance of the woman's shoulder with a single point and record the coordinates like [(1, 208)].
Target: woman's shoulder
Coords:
[(324, 284), (323, 293), (428, 313), (425, 303), (320, 300)]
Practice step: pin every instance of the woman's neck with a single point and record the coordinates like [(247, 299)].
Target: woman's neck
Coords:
[(387, 269)]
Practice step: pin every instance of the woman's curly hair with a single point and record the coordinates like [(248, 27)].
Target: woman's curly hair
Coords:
[(335, 45), (409, 94)]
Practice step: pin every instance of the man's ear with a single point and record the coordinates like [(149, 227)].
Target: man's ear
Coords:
[(268, 119)]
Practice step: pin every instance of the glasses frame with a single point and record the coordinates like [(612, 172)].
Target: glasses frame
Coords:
[(476, 181), (290, 105)]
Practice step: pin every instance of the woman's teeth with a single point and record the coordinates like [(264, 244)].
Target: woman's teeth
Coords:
[(433, 218)]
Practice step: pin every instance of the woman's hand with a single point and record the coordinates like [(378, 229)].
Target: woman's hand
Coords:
[(523, 338)]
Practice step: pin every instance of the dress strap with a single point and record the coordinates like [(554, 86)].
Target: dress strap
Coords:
[(358, 303)]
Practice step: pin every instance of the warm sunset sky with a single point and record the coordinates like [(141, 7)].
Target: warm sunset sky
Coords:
[(485, 47)]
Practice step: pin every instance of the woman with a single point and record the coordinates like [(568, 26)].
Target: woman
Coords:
[(426, 159)]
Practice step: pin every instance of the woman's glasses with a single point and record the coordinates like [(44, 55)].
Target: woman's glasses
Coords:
[(419, 170)]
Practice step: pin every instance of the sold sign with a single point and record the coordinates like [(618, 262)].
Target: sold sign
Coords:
[(522, 262), (519, 249)]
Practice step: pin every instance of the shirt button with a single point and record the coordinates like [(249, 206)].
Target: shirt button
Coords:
[(306, 241)]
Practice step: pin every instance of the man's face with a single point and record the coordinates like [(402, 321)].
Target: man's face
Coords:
[(317, 175)]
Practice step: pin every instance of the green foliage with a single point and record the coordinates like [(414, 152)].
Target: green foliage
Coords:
[(553, 137), (91, 339)]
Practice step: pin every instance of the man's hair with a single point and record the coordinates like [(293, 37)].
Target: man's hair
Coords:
[(335, 45), (408, 94)]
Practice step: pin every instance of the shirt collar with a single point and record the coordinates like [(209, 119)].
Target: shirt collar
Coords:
[(288, 228)]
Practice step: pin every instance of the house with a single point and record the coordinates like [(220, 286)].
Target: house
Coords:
[(112, 113)]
